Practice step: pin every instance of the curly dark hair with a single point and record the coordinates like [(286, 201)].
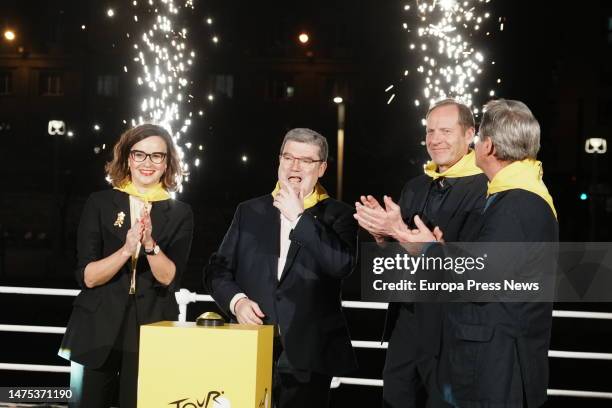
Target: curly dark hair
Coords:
[(117, 169)]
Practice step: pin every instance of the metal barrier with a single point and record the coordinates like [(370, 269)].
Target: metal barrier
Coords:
[(184, 297)]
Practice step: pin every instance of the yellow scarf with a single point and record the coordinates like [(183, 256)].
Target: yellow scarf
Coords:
[(156, 193), (524, 174), (318, 194), (463, 168)]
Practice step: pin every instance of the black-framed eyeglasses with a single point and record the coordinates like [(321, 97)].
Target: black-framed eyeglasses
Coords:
[(140, 156), (288, 159)]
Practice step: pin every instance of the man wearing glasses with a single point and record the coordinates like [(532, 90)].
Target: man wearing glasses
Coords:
[(282, 262), (451, 191)]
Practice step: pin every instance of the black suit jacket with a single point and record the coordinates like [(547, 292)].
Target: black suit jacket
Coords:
[(306, 302), (463, 204), (493, 353), (98, 312), (455, 217)]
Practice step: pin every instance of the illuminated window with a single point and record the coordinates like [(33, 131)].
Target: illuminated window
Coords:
[(280, 89), (6, 82), (290, 91), (108, 85), (224, 85), (51, 84)]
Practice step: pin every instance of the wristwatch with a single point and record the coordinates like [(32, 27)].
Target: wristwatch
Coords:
[(153, 251)]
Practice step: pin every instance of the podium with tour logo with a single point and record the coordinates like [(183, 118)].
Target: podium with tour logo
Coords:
[(183, 365)]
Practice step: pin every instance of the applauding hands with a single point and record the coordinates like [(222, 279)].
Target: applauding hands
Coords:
[(147, 229), (140, 232), (386, 222)]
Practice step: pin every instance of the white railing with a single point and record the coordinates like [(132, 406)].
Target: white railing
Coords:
[(551, 353), (32, 329), (16, 290), (184, 297), (35, 367)]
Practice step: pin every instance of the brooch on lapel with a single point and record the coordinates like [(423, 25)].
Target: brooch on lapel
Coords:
[(119, 220)]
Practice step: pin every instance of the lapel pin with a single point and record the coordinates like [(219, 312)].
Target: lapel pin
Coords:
[(119, 220)]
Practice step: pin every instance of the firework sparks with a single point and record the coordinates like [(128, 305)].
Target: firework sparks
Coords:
[(447, 60), (162, 60)]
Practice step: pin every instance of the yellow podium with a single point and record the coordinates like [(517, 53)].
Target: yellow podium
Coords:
[(183, 365)]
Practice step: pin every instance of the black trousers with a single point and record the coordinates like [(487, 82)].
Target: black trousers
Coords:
[(408, 383), (295, 388), (118, 376)]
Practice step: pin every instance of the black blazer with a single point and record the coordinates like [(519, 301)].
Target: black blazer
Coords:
[(493, 353), (306, 302), (464, 202), (462, 205), (98, 312)]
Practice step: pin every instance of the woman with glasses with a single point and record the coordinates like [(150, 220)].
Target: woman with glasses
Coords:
[(133, 245)]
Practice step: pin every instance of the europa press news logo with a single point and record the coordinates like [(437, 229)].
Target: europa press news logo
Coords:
[(214, 399)]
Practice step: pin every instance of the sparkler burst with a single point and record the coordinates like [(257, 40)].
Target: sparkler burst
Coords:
[(162, 60), (442, 36)]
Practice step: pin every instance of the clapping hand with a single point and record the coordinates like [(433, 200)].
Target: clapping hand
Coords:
[(379, 221), (132, 238), (147, 229)]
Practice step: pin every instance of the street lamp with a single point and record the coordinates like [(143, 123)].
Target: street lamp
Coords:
[(303, 38), (9, 35), (340, 162)]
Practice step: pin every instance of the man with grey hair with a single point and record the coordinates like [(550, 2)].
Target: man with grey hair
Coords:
[(282, 262), (513, 128), (450, 192), (496, 354)]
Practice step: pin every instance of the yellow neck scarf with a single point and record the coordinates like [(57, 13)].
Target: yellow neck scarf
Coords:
[(156, 193), (524, 174), (318, 194), (463, 168)]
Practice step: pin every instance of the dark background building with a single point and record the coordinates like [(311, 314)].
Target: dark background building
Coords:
[(67, 63)]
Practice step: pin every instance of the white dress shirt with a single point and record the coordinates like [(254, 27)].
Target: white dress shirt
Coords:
[(136, 206)]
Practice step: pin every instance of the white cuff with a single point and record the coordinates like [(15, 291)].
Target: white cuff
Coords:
[(235, 300)]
